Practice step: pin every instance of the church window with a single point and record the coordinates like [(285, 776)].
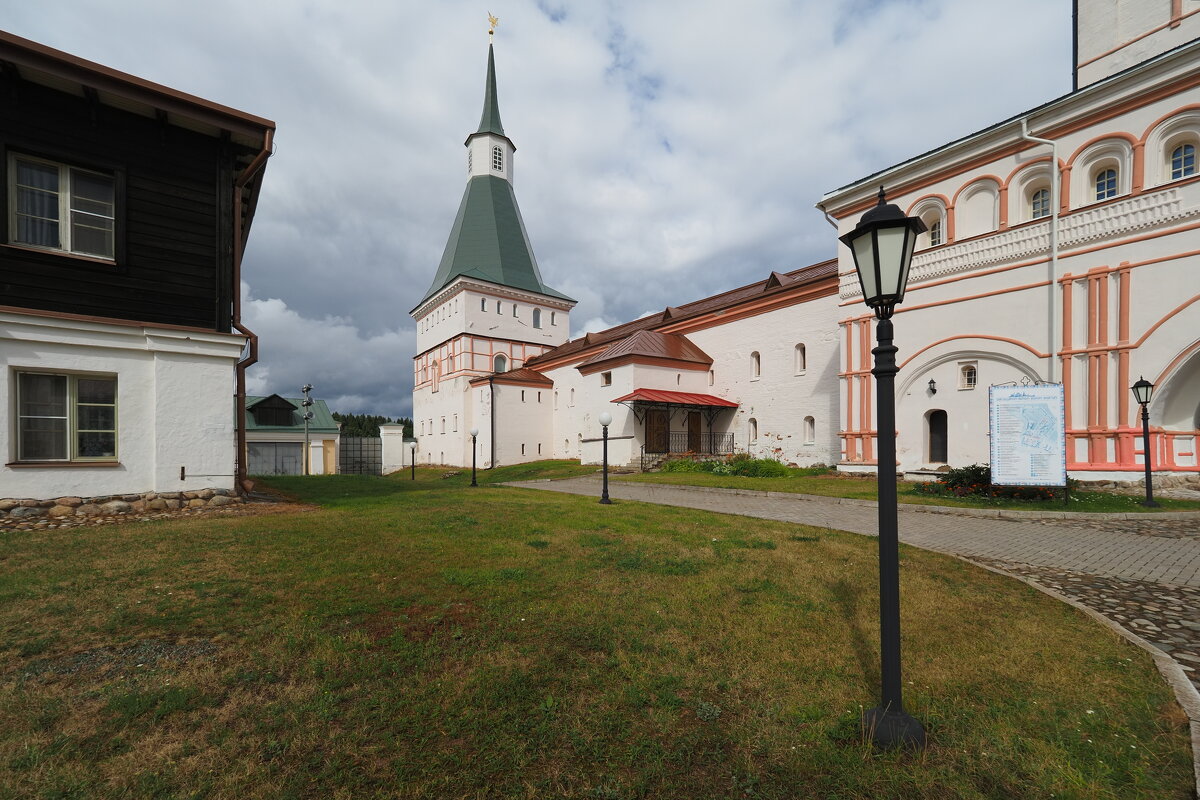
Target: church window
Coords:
[(606, 379), (455, 428), (443, 424), (1106, 184), (935, 233), (514, 309), (1039, 204), (968, 376), (522, 448), (931, 211), (755, 365), (801, 359), (500, 363), (556, 400), (810, 430), (712, 377), (470, 160), (497, 159), (552, 322), (572, 398), (537, 318), (752, 430), (539, 397), (1183, 161), (483, 304), (497, 306)]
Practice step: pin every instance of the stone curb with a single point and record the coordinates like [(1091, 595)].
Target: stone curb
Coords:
[(922, 509), (1185, 691)]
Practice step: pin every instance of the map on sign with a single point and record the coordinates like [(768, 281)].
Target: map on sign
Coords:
[(1028, 434)]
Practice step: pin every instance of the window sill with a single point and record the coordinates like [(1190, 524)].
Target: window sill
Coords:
[(110, 262), (61, 464)]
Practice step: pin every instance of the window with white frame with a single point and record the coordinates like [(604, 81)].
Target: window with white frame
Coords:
[(552, 322), (537, 318), (500, 363), (931, 211), (755, 365), (522, 395), (1183, 161), (801, 359), (606, 379), (1105, 183), (712, 377), (66, 417), (60, 207), (1039, 203), (752, 430), (514, 309), (968, 376), (483, 304), (497, 159), (810, 430)]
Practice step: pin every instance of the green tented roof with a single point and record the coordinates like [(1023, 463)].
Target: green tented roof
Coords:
[(490, 121), (488, 241), (322, 421)]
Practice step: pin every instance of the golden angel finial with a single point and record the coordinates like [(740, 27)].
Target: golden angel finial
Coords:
[(492, 23)]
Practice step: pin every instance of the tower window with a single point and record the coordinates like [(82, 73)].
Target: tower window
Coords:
[(606, 379), (1039, 204), (470, 160), (1106, 184), (483, 304), (935, 233), (537, 318), (497, 159), (500, 363), (1183, 161), (755, 365)]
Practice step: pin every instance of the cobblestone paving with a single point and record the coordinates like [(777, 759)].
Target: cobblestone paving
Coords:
[(1164, 528), (1166, 616)]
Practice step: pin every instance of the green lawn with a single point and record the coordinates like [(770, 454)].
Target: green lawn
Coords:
[(424, 639), (833, 484)]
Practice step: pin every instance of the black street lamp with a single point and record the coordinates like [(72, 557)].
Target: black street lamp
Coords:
[(474, 433), (882, 244), (1143, 390), (605, 421), (412, 459)]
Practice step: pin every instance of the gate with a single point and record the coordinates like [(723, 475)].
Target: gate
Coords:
[(361, 455)]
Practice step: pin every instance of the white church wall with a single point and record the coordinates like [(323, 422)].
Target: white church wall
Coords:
[(523, 423), (396, 452), (1113, 36), (440, 420), (174, 408)]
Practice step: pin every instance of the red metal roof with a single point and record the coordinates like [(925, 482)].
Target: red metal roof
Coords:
[(676, 398), (674, 346)]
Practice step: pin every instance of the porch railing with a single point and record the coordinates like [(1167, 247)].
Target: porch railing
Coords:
[(717, 444)]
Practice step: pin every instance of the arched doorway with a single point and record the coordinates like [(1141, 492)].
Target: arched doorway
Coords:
[(937, 437)]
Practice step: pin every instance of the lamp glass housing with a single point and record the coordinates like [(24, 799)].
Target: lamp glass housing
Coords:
[(474, 432), (605, 418), (1143, 390), (882, 245)]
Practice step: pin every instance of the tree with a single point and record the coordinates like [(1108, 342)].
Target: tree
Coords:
[(368, 424)]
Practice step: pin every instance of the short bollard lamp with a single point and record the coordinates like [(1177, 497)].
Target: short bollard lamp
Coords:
[(605, 421), (882, 244), (412, 459), (474, 433), (1143, 390)]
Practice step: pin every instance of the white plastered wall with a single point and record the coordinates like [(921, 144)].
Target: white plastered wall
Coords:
[(174, 404)]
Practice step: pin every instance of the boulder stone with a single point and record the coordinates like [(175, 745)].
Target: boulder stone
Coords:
[(222, 500), (130, 498), (116, 507), (196, 502), (169, 495), (205, 494), (138, 506), (89, 510), (172, 503), (8, 504), (157, 504), (26, 512), (30, 503), (61, 511), (73, 502)]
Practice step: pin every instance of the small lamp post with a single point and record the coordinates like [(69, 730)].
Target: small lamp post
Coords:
[(474, 433), (412, 459), (308, 415), (1143, 390), (882, 244), (605, 421)]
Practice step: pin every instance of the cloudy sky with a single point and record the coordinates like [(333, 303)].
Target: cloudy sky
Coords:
[(665, 150)]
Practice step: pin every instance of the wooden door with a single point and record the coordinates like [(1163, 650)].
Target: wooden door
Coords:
[(695, 437), (937, 437), (658, 427)]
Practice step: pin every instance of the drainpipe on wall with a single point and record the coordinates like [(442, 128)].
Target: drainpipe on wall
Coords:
[(1055, 180), (251, 358), (492, 391)]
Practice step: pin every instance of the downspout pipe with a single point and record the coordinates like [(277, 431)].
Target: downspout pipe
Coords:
[(239, 185), (492, 391), (1055, 181)]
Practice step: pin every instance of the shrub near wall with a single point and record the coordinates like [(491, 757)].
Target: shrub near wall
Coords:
[(976, 481), (738, 464)]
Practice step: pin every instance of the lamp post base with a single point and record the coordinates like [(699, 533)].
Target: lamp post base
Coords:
[(892, 729)]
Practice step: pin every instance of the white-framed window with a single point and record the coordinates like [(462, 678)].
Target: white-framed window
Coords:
[(572, 403), (66, 417), (935, 233), (1105, 183), (498, 159), (522, 448), (537, 318), (1183, 161), (483, 304), (55, 206), (500, 363), (552, 322), (968, 376), (1039, 203), (755, 365), (606, 379), (752, 430), (443, 424), (712, 377), (539, 397), (931, 211), (522, 395), (514, 309), (497, 306), (455, 427), (801, 359), (810, 430)]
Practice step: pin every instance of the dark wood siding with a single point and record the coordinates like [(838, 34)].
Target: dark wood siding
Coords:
[(173, 241)]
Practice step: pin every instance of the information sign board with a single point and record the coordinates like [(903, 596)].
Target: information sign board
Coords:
[(1028, 433)]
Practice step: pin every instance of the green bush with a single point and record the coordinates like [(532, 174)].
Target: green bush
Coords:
[(686, 465), (976, 480)]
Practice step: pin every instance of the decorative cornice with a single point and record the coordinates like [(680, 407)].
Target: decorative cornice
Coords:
[(492, 289), (1077, 228)]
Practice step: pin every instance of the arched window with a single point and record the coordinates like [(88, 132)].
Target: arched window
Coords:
[(755, 365), (978, 211), (500, 363), (572, 398), (1105, 183), (1039, 203), (752, 431), (968, 376), (810, 430), (483, 304), (801, 359), (712, 377), (935, 233), (498, 159), (552, 322), (1183, 161), (931, 211), (497, 306), (537, 318), (436, 374)]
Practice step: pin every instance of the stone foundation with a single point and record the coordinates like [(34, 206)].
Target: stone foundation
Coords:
[(1187, 481), (108, 505)]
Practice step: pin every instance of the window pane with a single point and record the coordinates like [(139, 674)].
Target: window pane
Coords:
[(37, 203), (96, 418), (43, 395), (91, 192), (96, 390), (97, 445), (36, 175), (40, 232), (91, 235), (1183, 161), (43, 438)]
